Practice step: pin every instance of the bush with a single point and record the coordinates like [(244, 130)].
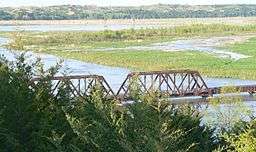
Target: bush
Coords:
[(35, 119), (243, 139), (142, 126), (32, 119), (159, 126)]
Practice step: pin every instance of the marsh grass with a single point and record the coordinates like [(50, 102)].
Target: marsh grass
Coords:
[(206, 64), (79, 37), (81, 46)]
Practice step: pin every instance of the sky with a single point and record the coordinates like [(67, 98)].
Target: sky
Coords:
[(16, 3)]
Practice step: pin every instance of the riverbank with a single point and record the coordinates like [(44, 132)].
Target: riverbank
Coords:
[(162, 22), (91, 47)]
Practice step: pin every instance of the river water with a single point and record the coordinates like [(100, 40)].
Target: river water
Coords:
[(210, 45), (114, 75), (87, 27)]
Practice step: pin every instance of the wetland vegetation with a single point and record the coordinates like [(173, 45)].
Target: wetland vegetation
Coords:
[(89, 46), (46, 115)]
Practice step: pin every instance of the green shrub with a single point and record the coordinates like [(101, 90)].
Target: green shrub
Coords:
[(243, 139), (159, 126), (35, 119), (32, 119)]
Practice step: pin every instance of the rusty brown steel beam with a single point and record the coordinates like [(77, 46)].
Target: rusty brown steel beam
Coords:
[(70, 77), (89, 82), (242, 88), (178, 83), (159, 79), (163, 72)]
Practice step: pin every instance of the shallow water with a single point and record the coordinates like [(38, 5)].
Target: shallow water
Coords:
[(203, 45), (89, 27), (114, 75), (207, 45)]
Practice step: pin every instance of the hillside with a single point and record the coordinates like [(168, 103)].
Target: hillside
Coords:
[(68, 12)]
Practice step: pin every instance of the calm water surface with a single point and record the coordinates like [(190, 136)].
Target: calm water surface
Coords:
[(114, 75), (89, 27)]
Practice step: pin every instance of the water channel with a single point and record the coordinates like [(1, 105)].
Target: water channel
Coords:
[(114, 75)]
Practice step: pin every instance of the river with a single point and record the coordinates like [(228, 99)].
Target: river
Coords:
[(210, 45), (86, 27), (114, 75)]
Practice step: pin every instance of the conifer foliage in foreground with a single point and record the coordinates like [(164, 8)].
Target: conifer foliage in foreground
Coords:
[(32, 118)]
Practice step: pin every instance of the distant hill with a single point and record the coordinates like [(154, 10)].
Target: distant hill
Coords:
[(66, 12)]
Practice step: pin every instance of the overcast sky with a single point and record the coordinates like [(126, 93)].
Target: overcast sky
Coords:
[(4, 3)]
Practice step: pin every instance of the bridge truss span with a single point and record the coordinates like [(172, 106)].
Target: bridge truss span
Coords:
[(162, 84), (79, 86), (174, 83)]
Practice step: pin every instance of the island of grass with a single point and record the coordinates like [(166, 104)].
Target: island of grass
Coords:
[(115, 48)]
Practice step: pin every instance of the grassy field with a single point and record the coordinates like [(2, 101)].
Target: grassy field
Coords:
[(77, 45), (157, 60)]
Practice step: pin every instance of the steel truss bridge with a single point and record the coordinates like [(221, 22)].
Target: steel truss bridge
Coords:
[(166, 84)]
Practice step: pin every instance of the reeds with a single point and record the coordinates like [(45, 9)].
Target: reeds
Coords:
[(139, 34)]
